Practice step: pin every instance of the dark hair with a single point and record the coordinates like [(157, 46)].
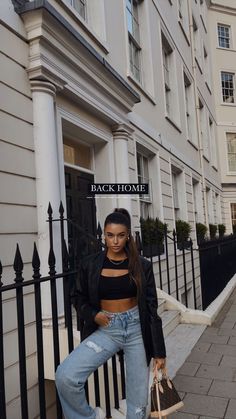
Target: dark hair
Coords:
[(122, 216)]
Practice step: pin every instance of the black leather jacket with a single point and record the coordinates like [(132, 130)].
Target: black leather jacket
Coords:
[(88, 304)]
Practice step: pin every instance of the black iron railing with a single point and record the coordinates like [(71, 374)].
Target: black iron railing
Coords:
[(218, 265)]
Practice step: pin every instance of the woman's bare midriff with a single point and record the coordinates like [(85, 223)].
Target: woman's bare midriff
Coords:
[(116, 306)]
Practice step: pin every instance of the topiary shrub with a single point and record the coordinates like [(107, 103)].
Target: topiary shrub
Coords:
[(183, 230), (201, 230), (213, 231), (153, 234), (221, 230)]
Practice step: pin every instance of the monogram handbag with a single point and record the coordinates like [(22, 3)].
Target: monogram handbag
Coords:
[(164, 397)]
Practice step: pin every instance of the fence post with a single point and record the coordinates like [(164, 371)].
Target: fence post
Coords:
[(176, 266), (2, 378), (39, 331), (193, 275), (18, 268), (167, 259), (52, 273)]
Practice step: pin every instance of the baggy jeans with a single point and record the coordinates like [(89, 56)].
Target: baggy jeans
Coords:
[(123, 332)]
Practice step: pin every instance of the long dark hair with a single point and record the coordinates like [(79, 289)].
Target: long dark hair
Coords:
[(122, 216)]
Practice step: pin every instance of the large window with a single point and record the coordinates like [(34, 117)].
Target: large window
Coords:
[(79, 6), (170, 80), (231, 148), (143, 177), (183, 14), (233, 214), (134, 38), (223, 35), (197, 43), (227, 85)]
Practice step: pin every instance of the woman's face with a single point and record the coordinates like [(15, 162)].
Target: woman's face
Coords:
[(116, 236)]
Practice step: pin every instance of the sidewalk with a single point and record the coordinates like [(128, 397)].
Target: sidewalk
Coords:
[(207, 380)]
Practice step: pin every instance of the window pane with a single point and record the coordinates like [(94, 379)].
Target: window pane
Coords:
[(227, 83), (224, 36), (231, 146)]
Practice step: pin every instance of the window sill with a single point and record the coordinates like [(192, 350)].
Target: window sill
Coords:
[(208, 87), (193, 144), (173, 123), (184, 33), (199, 65), (228, 104), (141, 88), (84, 24), (231, 173), (206, 158), (226, 49)]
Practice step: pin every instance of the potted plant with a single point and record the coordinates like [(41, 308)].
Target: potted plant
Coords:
[(213, 231), (221, 230), (153, 233), (183, 230), (201, 230)]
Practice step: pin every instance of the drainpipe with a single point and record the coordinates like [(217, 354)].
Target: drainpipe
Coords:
[(200, 145)]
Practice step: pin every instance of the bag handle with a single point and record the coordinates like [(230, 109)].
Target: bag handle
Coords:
[(163, 372)]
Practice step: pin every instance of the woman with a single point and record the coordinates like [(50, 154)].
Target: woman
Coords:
[(118, 302)]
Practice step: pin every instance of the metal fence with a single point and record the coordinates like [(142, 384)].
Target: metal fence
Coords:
[(218, 265), (70, 267)]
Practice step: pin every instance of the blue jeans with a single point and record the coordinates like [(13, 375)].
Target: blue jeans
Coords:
[(123, 332)]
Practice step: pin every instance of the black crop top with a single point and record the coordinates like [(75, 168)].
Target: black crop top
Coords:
[(116, 287)]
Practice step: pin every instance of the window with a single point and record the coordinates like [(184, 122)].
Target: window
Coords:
[(143, 177), (210, 205), (197, 43), (212, 142), (203, 12), (79, 6), (203, 126), (207, 67), (223, 35), (175, 193), (197, 200), (233, 214), (227, 85), (218, 218), (231, 148), (170, 80), (134, 38), (77, 154), (183, 14)]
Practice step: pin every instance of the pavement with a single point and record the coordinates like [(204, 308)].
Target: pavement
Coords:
[(206, 381)]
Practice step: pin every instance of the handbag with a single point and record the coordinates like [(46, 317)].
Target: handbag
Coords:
[(164, 396)]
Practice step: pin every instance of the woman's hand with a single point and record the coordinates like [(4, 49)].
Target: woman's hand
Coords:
[(159, 363), (102, 319)]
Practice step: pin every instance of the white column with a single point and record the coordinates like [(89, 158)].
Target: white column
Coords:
[(47, 182), (121, 135)]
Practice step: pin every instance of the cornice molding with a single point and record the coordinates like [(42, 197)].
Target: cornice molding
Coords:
[(46, 27)]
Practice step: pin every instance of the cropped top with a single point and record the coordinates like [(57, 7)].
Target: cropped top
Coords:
[(116, 287)]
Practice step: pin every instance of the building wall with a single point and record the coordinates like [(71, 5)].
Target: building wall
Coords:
[(224, 12)]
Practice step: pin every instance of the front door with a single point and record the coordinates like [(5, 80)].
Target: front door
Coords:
[(81, 214)]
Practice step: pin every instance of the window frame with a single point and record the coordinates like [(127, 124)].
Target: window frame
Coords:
[(230, 153), (229, 88), (145, 202), (223, 25), (134, 44)]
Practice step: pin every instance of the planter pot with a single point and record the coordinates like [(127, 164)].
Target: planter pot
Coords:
[(184, 245), (153, 249)]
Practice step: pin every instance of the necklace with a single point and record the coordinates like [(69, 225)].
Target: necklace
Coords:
[(116, 263)]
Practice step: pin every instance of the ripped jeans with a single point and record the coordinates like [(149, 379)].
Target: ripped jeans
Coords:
[(123, 332)]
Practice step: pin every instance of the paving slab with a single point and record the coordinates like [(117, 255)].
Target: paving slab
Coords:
[(182, 415), (189, 368), (231, 410), (228, 361), (220, 349), (214, 339), (223, 389), (209, 358), (226, 373), (205, 405), (192, 384)]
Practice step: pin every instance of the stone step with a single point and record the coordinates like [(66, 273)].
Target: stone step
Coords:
[(170, 320), (161, 305)]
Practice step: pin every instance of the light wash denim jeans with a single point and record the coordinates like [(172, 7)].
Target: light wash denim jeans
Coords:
[(123, 332)]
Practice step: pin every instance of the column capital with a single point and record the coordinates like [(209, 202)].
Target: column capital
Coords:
[(122, 130), (43, 86)]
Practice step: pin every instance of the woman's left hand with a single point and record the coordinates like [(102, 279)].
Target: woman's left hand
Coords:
[(159, 363)]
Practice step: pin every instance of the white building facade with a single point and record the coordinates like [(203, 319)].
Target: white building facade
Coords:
[(222, 30), (103, 91)]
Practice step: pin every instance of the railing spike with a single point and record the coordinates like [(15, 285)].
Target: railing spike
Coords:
[(18, 265), (50, 209), (51, 259), (99, 229), (61, 209), (35, 259)]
